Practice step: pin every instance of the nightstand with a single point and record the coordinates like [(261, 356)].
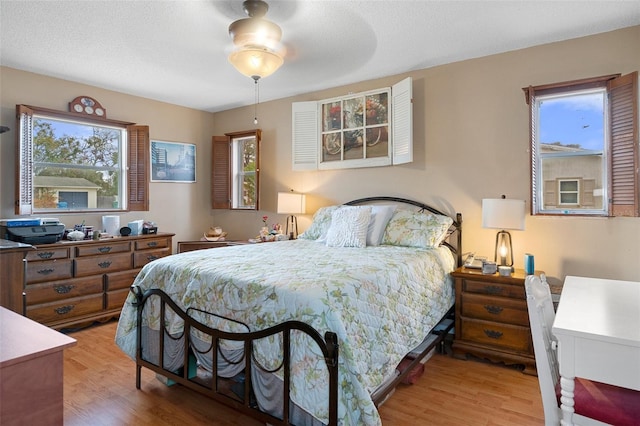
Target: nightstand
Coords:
[(492, 321), (184, 246)]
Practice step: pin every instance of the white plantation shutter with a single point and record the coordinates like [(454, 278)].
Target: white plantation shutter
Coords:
[(24, 162), (305, 136), (402, 122)]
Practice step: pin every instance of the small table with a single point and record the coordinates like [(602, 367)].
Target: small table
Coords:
[(598, 330), (31, 365)]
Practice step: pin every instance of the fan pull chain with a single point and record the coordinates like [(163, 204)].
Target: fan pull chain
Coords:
[(257, 101)]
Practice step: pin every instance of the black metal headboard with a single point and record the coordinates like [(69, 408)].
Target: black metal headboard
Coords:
[(454, 238)]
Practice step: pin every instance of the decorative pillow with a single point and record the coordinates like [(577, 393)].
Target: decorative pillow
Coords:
[(380, 216), (416, 229), (319, 225), (349, 227)]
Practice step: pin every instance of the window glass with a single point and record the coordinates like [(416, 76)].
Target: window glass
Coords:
[(76, 165), (572, 151), (244, 183)]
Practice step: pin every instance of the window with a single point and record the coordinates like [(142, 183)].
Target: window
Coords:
[(584, 147), (69, 162), (235, 171), (367, 129)]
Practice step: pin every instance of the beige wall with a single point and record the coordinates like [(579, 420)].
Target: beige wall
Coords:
[(470, 143)]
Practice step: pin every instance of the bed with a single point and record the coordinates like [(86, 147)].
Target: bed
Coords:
[(308, 331)]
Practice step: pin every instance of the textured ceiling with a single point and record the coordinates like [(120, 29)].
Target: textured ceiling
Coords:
[(175, 51)]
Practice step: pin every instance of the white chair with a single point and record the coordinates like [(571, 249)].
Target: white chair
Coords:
[(608, 404)]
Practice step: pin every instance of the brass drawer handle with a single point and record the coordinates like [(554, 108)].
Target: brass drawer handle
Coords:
[(152, 244), (493, 334), (45, 254), (63, 289), (104, 264), (492, 309), (46, 271), (151, 258), (64, 309), (493, 289), (104, 249)]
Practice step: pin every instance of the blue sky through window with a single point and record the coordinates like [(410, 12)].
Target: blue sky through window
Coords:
[(575, 119)]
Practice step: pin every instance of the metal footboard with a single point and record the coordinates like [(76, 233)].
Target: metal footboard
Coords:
[(186, 377)]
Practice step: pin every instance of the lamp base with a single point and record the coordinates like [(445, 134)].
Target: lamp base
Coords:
[(504, 250), (293, 234)]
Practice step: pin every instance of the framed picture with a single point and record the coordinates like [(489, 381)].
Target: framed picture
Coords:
[(173, 162)]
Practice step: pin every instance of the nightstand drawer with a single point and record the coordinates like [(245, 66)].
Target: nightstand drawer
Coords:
[(494, 289), (507, 336), (510, 311)]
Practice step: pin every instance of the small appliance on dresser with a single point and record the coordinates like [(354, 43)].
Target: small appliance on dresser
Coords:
[(492, 321)]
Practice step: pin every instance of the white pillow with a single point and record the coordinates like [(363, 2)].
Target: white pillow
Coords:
[(349, 227), (380, 216)]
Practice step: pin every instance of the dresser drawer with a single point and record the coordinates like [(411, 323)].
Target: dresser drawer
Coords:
[(102, 264), (494, 289), (49, 271), (58, 290), (501, 309), (506, 336), (143, 257), (115, 299), (65, 309), (120, 280), (105, 249), (153, 243), (48, 254)]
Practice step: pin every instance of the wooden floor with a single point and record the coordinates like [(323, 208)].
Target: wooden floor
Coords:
[(99, 389)]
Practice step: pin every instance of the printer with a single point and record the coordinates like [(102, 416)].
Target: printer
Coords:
[(31, 231)]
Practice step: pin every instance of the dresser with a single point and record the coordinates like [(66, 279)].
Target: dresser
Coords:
[(73, 283), (492, 321)]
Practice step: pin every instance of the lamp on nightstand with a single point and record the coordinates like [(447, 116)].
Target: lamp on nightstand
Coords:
[(503, 214), (291, 203)]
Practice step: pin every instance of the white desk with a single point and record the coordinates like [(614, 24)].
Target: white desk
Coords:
[(598, 330)]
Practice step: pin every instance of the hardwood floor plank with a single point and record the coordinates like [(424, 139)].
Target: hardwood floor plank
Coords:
[(99, 389)]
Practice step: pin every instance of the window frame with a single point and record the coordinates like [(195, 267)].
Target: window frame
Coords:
[(227, 173), (136, 186), (621, 172)]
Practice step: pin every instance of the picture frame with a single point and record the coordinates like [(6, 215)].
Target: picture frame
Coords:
[(173, 162)]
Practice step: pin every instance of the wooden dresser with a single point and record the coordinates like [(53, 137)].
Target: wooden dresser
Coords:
[(492, 321), (72, 283)]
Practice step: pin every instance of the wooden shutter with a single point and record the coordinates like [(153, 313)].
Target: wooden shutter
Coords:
[(587, 199), (24, 161), (138, 168), (623, 146), (305, 136), (402, 122), (220, 173)]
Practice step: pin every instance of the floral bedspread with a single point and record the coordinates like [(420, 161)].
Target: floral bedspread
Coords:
[(380, 301)]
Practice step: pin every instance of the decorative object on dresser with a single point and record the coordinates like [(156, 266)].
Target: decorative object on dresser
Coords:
[(501, 213), (491, 318), (73, 283)]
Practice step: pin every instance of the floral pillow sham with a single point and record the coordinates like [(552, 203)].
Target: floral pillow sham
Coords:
[(416, 229)]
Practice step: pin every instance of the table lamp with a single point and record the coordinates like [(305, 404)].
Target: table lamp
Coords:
[(291, 203), (503, 214)]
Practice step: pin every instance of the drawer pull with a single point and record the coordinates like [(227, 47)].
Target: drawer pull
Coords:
[(46, 271), (492, 309), (151, 258), (152, 244), (64, 309), (104, 249), (493, 289), (493, 334), (63, 289), (104, 264), (45, 254)]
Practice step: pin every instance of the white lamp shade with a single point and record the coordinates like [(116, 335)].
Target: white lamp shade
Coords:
[(291, 203), (502, 213)]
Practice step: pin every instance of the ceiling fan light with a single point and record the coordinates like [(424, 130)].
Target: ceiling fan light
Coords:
[(255, 61)]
